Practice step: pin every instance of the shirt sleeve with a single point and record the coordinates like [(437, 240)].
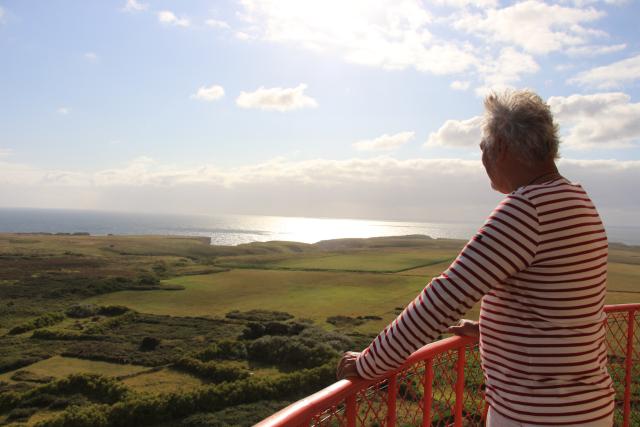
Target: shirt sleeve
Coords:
[(504, 245)]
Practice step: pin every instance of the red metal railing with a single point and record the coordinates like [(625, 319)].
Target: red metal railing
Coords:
[(441, 384)]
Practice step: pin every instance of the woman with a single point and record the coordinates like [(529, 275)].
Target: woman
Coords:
[(539, 264)]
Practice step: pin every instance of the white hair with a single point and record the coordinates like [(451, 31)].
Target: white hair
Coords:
[(522, 121)]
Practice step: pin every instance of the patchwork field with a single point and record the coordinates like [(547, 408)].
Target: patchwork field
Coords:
[(89, 323)]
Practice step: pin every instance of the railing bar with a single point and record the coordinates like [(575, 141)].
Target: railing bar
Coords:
[(459, 387), (391, 401), (352, 410), (427, 400), (629, 366)]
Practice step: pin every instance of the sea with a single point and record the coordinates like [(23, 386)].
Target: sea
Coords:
[(238, 229)]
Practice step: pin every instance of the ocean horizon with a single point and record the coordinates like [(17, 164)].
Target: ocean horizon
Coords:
[(235, 229)]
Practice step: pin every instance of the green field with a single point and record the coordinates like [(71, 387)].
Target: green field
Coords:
[(174, 317)]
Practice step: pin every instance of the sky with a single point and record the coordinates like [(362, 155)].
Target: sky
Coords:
[(335, 108)]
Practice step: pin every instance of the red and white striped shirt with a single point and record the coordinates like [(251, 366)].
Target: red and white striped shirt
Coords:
[(539, 263)]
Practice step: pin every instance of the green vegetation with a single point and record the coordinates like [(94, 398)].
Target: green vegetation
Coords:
[(152, 330)]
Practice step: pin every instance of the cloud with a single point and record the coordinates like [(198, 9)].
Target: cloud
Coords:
[(63, 110), (381, 187), (501, 72), (167, 17), (391, 34), (533, 25), (460, 85), (457, 133), (595, 50), (210, 93), (466, 3), (277, 99), (384, 142), (602, 120), (134, 6), (215, 23), (610, 76), (2, 13), (90, 56), (5, 152)]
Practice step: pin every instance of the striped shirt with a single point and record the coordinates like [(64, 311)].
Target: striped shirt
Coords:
[(539, 264)]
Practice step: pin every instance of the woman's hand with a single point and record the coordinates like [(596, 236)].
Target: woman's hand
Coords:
[(347, 365), (465, 328)]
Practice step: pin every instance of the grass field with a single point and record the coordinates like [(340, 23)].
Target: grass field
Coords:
[(305, 294), (44, 274), (58, 367)]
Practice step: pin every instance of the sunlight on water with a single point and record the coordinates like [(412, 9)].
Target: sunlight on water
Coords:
[(238, 229)]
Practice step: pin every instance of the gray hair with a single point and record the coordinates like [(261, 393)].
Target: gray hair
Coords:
[(523, 121)]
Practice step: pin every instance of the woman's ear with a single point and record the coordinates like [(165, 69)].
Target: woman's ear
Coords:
[(500, 149)]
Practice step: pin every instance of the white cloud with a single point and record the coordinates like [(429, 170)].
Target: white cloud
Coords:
[(91, 56), (610, 76), (134, 6), (277, 99), (242, 35), (63, 110), (595, 50), (210, 93), (533, 25), (5, 152), (460, 85), (384, 142), (216, 23), (501, 72), (381, 187), (391, 34), (457, 133), (167, 17), (2, 13), (602, 120), (466, 3)]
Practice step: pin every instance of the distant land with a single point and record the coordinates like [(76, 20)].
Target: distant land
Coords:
[(239, 229), (171, 330)]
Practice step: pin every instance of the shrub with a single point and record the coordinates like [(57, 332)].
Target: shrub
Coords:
[(223, 350), (149, 343), (259, 315), (295, 351), (256, 330), (47, 319), (112, 310), (211, 371), (80, 311)]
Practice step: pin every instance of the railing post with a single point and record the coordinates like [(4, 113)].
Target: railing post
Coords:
[(628, 368), (459, 387), (427, 399), (391, 400), (352, 409)]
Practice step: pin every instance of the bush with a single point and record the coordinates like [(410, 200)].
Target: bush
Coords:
[(112, 310), (211, 371), (259, 315), (149, 343), (48, 334), (80, 311), (256, 330), (295, 351), (47, 319), (223, 350)]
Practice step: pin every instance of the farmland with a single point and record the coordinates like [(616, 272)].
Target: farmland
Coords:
[(96, 326)]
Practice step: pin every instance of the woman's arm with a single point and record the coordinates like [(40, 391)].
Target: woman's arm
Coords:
[(505, 245)]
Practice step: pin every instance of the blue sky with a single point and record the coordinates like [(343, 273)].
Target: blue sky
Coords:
[(331, 108)]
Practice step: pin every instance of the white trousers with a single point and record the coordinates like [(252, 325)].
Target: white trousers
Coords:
[(494, 419)]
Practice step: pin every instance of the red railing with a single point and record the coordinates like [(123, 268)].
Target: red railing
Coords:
[(441, 385)]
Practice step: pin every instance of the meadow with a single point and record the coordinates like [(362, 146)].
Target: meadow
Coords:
[(94, 329)]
